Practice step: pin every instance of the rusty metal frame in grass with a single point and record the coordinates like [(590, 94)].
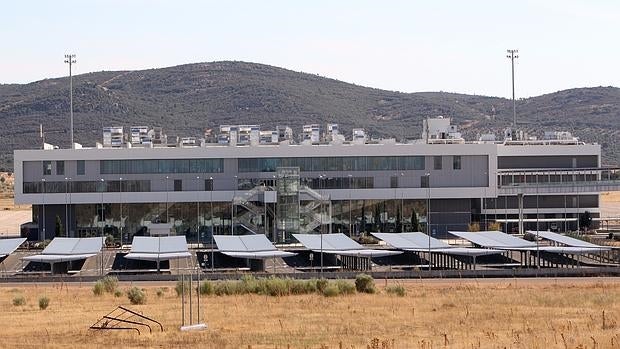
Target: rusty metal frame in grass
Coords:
[(122, 318)]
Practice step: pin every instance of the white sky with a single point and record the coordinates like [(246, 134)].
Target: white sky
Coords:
[(409, 46)]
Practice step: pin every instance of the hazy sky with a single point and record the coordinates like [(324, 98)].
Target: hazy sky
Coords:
[(409, 46)]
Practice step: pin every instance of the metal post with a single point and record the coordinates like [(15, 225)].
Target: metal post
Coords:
[(120, 203), (198, 209), (167, 215), (182, 299), (321, 215), (212, 231), (512, 54), (428, 219), (42, 236), (66, 206), (70, 59), (191, 279), (102, 223)]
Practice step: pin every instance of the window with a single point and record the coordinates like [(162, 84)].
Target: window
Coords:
[(209, 184), (178, 185), (60, 168), (47, 168), (456, 162), (437, 162), (393, 182), (425, 181), (81, 167)]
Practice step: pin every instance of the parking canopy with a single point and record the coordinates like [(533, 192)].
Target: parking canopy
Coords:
[(420, 242), (339, 244), (158, 248), (567, 240), (248, 246), (8, 246), (495, 239), (68, 249)]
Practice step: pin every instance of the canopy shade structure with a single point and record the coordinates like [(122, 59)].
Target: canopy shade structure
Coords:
[(567, 240), (155, 248), (68, 249), (248, 246), (503, 241), (339, 244), (495, 239), (8, 246), (419, 242)]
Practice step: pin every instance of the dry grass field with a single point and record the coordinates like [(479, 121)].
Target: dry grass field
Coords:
[(451, 314)]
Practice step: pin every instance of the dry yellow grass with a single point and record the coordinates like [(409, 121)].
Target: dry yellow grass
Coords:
[(459, 314)]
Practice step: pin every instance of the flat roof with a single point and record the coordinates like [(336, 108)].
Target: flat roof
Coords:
[(156, 248), (340, 244), (68, 249), (248, 246), (419, 242)]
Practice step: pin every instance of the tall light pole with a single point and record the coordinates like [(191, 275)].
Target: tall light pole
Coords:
[(43, 235), (198, 209), (212, 232), (512, 55), (70, 59), (67, 181), (167, 215), (120, 204), (428, 217), (102, 223)]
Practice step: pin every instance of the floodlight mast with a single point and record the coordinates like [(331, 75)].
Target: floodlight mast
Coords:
[(70, 59), (512, 55)]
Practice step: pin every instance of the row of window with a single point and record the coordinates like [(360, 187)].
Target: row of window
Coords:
[(319, 164), (161, 166), (86, 186), (438, 162), (60, 168), (336, 163)]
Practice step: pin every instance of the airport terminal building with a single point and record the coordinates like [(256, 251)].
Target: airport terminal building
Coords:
[(243, 180)]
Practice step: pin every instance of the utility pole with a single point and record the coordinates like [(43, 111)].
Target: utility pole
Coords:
[(512, 54), (70, 59)]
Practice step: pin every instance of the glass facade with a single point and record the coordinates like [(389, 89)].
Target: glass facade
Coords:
[(81, 167), (161, 166), (336, 163), (86, 186)]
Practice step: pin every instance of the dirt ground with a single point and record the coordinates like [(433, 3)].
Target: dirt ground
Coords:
[(507, 313)]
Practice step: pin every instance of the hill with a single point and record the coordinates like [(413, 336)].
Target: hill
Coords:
[(187, 99)]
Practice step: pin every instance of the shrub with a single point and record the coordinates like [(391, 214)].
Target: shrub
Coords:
[(206, 288), (397, 290), (160, 292), (321, 284), (303, 286), (181, 287), (19, 301), (118, 293), (44, 302), (364, 283), (98, 288), (136, 296), (110, 283), (345, 287), (276, 287), (473, 226), (331, 290)]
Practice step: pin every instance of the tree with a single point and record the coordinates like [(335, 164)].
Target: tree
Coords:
[(585, 220), (399, 223), (377, 219), (58, 226), (363, 222), (415, 223)]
